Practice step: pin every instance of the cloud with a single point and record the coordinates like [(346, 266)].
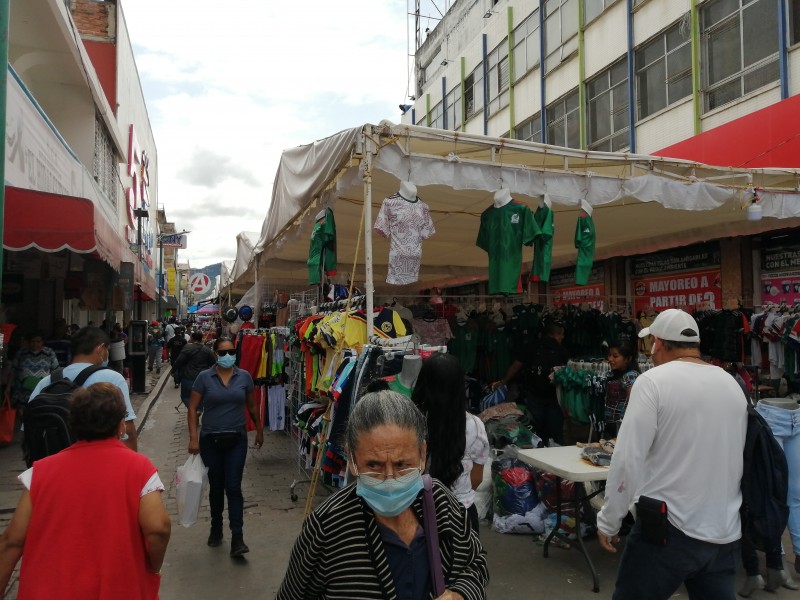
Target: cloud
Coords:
[(209, 169), (233, 86)]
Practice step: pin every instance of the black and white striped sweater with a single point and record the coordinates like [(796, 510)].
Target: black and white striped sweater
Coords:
[(339, 553)]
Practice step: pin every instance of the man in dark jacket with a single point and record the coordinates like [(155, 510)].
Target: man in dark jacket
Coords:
[(174, 347), (538, 387), (194, 357)]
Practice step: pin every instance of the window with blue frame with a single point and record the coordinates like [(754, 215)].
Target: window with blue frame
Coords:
[(560, 31), (607, 103), (563, 121), (664, 69), (526, 46), (740, 49), (498, 76)]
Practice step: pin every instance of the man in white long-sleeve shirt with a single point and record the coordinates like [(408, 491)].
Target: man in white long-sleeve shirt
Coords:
[(681, 442)]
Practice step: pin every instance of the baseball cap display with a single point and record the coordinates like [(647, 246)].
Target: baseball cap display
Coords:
[(673, 325), (230, 314), (245, 313)]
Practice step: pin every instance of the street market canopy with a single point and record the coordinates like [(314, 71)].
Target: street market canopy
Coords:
[(641, 203)]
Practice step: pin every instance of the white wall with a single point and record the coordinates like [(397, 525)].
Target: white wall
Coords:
[(668, 127), (743, 106), (655, 16), (605, 39), (562, 80), (794, 71)]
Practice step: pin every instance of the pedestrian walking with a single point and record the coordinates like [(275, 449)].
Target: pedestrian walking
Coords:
[(90, 346), (30, 365), (678, 464), (98, 532), (225, 391), (155, 346), (193, 359)]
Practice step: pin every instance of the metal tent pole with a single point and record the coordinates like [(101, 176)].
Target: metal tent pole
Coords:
[(4, 20), (370, 286)]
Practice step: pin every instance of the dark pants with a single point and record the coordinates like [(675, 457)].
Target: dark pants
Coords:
[(186, 391), (750, 559), (652, 572), (474, 520), (547, 419), (225, 468)]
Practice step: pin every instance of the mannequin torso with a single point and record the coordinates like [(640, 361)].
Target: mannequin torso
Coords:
[(502, 197), (411, 367)]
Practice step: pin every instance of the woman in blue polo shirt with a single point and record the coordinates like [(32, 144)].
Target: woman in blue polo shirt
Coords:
[(225, 391)]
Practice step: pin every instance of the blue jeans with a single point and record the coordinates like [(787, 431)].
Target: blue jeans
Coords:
[(785, 426), (225, 469), (186, 392), (651, 572)]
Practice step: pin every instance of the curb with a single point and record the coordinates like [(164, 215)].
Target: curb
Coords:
[(150, 401)]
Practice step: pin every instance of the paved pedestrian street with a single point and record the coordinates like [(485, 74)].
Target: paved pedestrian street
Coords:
[(272, 522)]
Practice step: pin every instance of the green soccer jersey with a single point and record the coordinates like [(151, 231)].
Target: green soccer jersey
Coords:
[(322, 252), (499, 348), (502, 234), (584, 242), (464, 346), (543, 244)]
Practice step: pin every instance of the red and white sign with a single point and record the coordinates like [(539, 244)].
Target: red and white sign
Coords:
[(593, 294), (779, 288), (701, 289), (199, 283)]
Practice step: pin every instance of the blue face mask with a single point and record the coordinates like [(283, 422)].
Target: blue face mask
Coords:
[(226, 361), (391, 497)]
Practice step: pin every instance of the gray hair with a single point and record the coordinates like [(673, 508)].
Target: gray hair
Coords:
[(384, 408)]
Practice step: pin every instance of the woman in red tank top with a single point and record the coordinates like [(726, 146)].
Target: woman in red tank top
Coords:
[(98, 532)]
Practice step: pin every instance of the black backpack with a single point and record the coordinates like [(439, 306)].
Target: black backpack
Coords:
[(46, 417), (765, 485)]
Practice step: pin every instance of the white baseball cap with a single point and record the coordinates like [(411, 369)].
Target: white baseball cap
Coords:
[(673, 325)]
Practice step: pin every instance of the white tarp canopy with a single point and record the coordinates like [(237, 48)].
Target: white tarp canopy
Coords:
[(225, 271), (642, 203)]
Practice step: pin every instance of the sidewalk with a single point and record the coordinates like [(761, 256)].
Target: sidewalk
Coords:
[(272, 522)]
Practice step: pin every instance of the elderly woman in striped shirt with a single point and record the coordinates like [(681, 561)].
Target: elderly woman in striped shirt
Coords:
[(367, 541)]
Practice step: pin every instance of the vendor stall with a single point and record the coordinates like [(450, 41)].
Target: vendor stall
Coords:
[(638, 204)]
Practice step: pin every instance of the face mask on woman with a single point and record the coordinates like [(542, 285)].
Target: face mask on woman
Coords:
[(391, 497), (226, 361)]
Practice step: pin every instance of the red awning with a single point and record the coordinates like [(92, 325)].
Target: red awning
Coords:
[(769, 137), (52, 222)]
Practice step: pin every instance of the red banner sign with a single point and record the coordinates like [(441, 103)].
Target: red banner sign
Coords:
[(780, 288), (701, 289), (593, 294)]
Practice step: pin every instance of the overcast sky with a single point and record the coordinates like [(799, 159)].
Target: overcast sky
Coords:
[(229, 86)]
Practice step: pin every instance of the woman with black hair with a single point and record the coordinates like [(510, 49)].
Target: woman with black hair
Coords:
[(623, 360), (457, 443), (225, 392)]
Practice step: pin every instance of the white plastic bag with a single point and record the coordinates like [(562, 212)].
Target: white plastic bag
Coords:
[(191, 482)]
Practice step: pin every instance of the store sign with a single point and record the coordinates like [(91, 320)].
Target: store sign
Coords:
[(780, 259), (700, 289), (174, 240), (679, 259), (593, 294), (779, 288)]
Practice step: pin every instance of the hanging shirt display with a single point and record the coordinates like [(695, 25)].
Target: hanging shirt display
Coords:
[(584, 242), (322, 251), (543, 244), (503, 232), (406, 223)]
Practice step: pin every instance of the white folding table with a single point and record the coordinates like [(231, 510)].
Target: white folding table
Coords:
[(565, 463)]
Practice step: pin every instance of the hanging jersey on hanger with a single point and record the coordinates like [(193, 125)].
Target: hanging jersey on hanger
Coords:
[(584, 242), (406, 223), (503, 232), (322, 251), (543, 244)]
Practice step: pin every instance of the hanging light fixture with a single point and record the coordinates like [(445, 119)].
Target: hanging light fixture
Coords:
[(754, 210)]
